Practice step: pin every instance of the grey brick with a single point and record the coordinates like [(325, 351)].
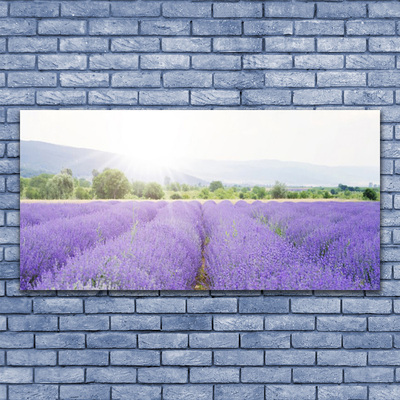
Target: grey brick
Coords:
[(83, 79), (387, 44), (193, 45), (164, 61), (177, 97), (182, 9), (319, 27), (289, 79), (57, 306), (179, 392), (237, 45), (238, 357), (317, 375), (366, 306), (369, 61), (386, 323), (214, 375), (32, 45), (368, 97), (84, 322), (59, 375), (135, 357), (98, 392), (290, 357), (32, 323), (135, 322), (42, 9), (261, 28), (186, 357), (319, 61), (382, 392), (237, 10), (243, 323), (135, 9), (163, 340), (373, 28), (113, 61), (135, 44), (342, 78), (239, 392), (31, 357), (17, 61), (347, 392), (317, 340), (113, 27), (384, 357), (187, 323), (289, 323), (109, 340), (92, 9), (61, 61), (342, 358), (368, 374), (61, 27), (341, 323), (16, 375), (107, 306), (214, 97), (165, 28), (287, 45), (217, 27), (125, 97), (16, 340), (260, 340), (58, 97), (289, 392), (110, 375), (367, 341), (214, 340), (382, 10), (136, 392), (339, 11), (263, 305), (83, 357), (263, 96), (324, 306), (266, 375), (186, 79), (288, 10), (163, 375), (17, 26), (37, 392)]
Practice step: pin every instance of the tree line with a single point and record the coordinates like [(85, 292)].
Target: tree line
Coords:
[(113, 184)]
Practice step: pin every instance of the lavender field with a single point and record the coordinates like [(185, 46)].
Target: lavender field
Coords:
[(143, 245)]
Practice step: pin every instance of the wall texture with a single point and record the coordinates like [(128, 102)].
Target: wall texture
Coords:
[(191, 345)]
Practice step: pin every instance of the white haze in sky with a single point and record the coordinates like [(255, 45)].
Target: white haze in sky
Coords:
[(331, 138)]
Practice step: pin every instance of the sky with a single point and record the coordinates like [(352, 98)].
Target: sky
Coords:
[(323, 137)]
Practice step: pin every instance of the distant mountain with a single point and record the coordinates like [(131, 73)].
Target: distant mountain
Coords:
[(264, 172), (40, 157)]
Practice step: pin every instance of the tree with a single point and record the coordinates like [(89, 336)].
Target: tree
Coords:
[(214, 185), (370, 194), (67, 171), (82, 193), (167, 181), (154, 191), (111, 184), (175, 196), (39, 182), (138, 188), (260, 192), (95, 173), (60, 186), (279, 190)]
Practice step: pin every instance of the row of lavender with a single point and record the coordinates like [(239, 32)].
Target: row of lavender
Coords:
[(159, 245), (293, 246)]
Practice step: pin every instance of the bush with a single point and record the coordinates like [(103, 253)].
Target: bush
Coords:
[(370, 194), (175, 196)]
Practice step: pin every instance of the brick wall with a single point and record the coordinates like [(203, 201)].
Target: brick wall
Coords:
[(196, 345)]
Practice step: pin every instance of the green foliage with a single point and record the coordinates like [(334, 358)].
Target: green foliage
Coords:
[(260, 192), (292, 195), (370, 194), (83, 193), (204, 193), (175, 196), (60, 186), (153, 191), (67, 171), (111, 184), (279, 190), (138, 188), (215, 185)]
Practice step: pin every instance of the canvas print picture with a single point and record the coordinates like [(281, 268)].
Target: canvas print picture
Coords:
[(200, 200)]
